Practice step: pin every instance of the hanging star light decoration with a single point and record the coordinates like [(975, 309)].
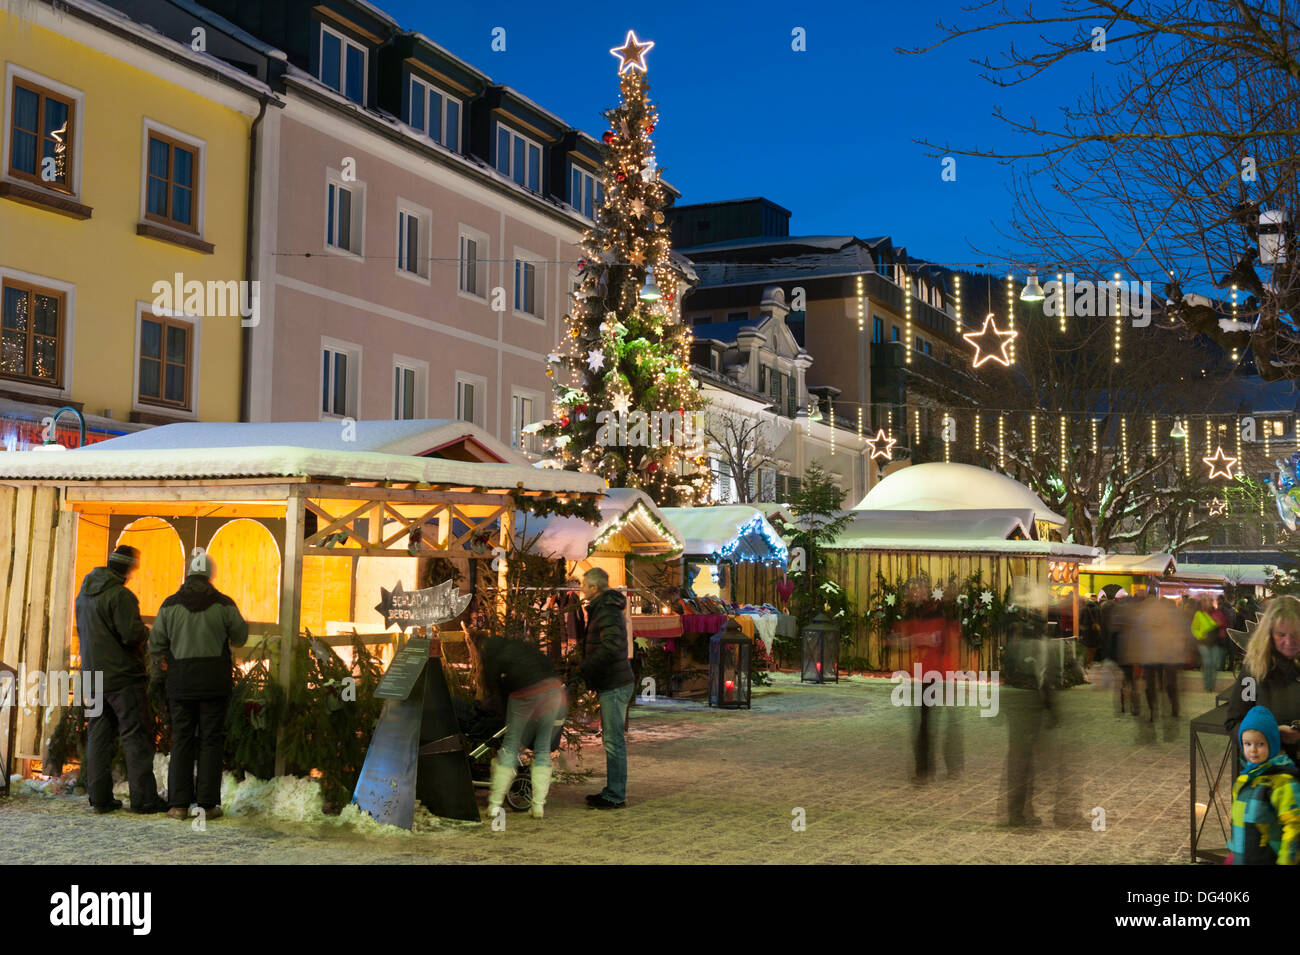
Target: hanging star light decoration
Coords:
[(937, 593), (596, 359), (882, 446), (637, 207), (1220, 464), (991, 343), (632, 53), (1217, 507)]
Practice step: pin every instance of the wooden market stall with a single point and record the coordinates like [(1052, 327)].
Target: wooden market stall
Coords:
[(1135, 574), (304, 522), (945, 523), (632, 535), (732, 552)]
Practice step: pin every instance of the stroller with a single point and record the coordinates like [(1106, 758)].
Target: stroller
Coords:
[(483, 730)]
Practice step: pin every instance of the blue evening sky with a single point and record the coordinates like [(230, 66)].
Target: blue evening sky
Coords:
[(828, 133)]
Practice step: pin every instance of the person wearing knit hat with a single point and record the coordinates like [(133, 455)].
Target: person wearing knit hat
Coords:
[(113, 639), (1265, 797), (193, 634)]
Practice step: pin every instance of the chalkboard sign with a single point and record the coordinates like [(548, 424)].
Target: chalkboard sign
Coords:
[(405, 670)]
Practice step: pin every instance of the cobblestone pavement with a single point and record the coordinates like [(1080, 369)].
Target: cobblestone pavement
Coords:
[(723, 787)]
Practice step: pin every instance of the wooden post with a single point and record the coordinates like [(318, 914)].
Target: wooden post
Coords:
[(290, 601), (503, 577), (63, 579)]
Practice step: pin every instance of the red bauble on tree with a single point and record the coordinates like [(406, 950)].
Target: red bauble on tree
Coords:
[(608, 137), (564, 421)]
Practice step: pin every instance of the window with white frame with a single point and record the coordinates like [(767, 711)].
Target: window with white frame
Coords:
[(344, 214), (434, 113), (471, 393), (586, 191), (410, 388), (413, 236), (340, 378), (519, 158), (473, 262), (343, 64), (523, 412), (528, 285)]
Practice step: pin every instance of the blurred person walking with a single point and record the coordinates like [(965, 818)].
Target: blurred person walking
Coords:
[(113, 639), (535, 702), (1209, 627), (195, 629)]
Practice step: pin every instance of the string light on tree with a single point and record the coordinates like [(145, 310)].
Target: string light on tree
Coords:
[(1065, 442), (862, 308), (916, 430), (978, 448), (1060, 284), (1119, 321), (1123, 443), (1154, 428), (1011, 318), (1239, 456), (1093, 422), (1033, 432), (1002, 442), (1234, 320)]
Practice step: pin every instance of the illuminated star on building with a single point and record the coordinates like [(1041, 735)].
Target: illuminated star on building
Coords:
[(1220, 464), (990, 343), (882, 446)]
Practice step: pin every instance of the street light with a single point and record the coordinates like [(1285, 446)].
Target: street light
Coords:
[(650, 291), (1033, 292)]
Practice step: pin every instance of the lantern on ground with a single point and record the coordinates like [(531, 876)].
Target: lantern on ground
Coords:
[(821, 651), (1212, 772), (729, 653)]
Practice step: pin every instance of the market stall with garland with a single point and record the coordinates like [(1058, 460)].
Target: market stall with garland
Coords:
[(306, 522)]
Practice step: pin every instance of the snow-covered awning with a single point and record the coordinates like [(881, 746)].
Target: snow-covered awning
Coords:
[(1156, 565), (420, 437), (1252, 575), (1005, 531), (99, 462), (728, 532), (625, 511)]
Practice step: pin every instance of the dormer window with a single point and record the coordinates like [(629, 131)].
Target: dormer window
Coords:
[(519, 158), (434, 113), (586, 192), (342, 64)]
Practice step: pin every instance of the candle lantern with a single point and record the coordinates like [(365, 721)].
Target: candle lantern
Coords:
[(1212, 772), (821, 651), (729, 654)]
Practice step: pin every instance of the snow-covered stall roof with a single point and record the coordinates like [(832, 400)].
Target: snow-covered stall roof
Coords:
[(628, 511), (100, 462), (1252, 575), (1002, 531), (945, 486), (730, 531), (1143, 564), (419, 437)]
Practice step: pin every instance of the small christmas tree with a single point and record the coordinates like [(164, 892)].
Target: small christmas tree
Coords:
[(626, 350)]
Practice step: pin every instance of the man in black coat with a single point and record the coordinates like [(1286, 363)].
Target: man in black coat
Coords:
[(113, 643), (607, 670)]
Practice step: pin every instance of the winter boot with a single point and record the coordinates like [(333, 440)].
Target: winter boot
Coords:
[(502, 777), (541, 785)]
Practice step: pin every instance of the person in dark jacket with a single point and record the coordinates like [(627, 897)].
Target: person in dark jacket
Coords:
[(607, 670), (535, 703), (195, 629), (113, 643), (1270, 673)]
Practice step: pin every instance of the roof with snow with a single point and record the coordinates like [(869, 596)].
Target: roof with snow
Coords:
[(1139, 564), (626, 511), (727, 531), (429, 452), (1006, 531), (1256, 575), (945, 486), (420, 437)]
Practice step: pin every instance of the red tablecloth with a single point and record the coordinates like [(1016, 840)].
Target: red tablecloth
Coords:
[(657, 627), (703, 622)]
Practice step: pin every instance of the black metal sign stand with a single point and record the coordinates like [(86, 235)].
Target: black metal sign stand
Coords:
[(416, 750)]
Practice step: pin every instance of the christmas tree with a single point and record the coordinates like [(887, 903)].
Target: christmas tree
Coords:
[(625, 402)]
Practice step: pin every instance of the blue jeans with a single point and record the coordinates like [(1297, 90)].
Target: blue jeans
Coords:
[(613, 719), (530, 721), (1211, 660)]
